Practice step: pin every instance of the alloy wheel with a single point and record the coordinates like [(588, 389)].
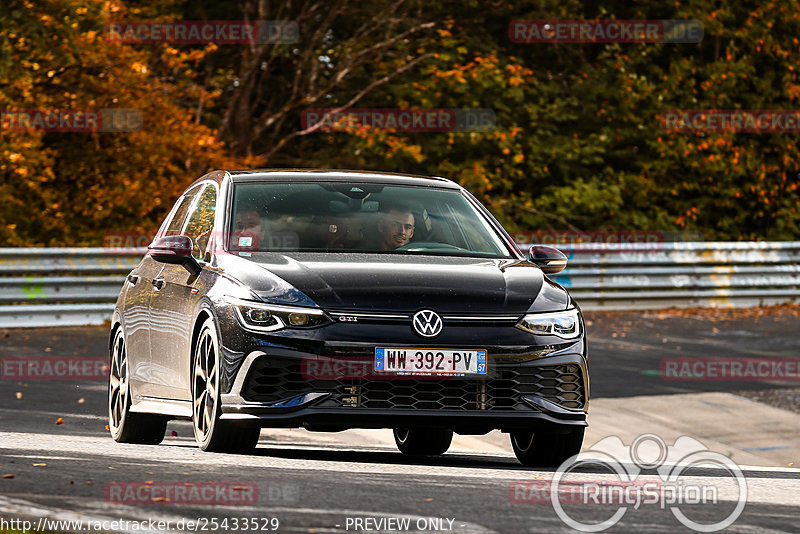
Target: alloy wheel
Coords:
[(205, 382), (118, 385)]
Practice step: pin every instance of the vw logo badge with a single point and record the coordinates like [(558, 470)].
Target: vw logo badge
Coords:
[(427, 323)]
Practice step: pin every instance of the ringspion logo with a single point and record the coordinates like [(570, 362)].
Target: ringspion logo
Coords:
[(622, 480)]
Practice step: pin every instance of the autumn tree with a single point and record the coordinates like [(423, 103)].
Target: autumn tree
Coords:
[(578, 142), (72, 188)]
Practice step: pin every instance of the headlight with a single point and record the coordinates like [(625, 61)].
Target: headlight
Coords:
[(564, 324), (262, 317)]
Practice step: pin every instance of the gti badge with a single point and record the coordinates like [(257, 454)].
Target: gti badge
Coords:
[(427, 323)]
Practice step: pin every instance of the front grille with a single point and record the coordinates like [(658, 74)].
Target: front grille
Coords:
[(272, 379), (412, 394)]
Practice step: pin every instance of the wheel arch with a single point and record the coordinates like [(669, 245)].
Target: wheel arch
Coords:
[(205, 313), (116, 323)]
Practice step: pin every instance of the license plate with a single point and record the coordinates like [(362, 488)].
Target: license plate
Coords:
[(434, 362)]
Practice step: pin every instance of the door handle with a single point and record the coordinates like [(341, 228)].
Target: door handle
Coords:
[(158, 283), (132, 278)]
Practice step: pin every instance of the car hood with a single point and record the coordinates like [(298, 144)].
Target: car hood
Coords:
[(384, 282)]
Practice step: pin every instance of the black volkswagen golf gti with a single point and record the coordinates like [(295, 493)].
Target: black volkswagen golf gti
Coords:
[(341, 299)]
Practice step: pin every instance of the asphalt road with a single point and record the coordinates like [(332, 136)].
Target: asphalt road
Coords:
[(627, 349), (342, 485)]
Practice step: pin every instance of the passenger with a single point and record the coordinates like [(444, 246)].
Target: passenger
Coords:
[(249, 224)]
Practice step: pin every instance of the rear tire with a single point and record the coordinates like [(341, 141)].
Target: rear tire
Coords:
[(211, 433), (127, 427), (423, 441), (546, 449)]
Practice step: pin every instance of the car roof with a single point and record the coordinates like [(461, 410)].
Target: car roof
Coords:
[(338, 175)]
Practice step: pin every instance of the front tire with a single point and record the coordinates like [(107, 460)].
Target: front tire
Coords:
[(546, 449), (127, 427), (423, 441), (211, 433)]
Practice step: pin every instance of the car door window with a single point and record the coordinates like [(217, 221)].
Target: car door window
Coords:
[(175, 225), (201, 220)]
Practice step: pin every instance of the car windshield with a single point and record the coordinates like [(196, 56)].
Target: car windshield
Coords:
[(358, 217)]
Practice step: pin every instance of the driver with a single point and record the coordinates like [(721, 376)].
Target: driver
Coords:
[(396, 227)]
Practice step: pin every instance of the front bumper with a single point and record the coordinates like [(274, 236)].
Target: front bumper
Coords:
[(275, 390)]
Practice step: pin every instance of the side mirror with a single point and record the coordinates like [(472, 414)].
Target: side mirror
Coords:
[(548, 259), (174, 249)]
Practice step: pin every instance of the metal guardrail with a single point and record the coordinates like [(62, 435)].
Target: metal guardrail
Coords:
[(78, 286), (681, 274), (61, 286)]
